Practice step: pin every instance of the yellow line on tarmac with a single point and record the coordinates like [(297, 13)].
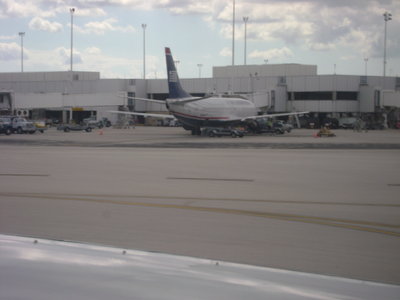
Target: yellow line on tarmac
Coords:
[(333, 222), (206, 199)]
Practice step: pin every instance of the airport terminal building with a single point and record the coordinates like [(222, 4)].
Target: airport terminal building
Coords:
[(72, 96)]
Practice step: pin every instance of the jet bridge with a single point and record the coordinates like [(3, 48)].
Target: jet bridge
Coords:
[(5, 103)]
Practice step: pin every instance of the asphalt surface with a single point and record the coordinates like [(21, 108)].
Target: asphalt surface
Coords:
[(167, 137), (320, 205)]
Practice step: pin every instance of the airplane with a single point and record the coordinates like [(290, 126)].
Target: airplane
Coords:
[(195, 113)]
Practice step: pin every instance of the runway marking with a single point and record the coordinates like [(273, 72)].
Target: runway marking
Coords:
[(210, 179), (365, 226), (27, 175)]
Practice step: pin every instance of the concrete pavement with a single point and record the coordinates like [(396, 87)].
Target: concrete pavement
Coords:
[(330, 211)]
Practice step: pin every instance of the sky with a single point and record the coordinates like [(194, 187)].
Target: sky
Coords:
[(339, 36)]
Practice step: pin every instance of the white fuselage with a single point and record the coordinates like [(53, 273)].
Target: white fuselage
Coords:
[(212, 111)]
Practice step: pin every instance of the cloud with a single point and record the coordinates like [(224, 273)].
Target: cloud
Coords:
[(116, 67), (314, 25), (64, 56), (225, 52), (49, 8), (8, 37), (89, 59), (100, 28), (191, 7), (93, 51), (272, 53), (354, 26), (86, 12), (9, 51), (38, 23), (15, 9)]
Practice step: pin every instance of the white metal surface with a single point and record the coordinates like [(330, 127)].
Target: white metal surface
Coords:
[(43, 269)]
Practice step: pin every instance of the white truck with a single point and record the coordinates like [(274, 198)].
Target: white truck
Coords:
[(21, 125)]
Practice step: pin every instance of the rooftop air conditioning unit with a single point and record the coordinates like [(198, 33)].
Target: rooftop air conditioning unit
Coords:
[(22, 113)]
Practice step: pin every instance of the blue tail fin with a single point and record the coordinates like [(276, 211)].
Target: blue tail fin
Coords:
[(175, 89)]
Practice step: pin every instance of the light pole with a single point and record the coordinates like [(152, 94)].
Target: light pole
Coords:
[(72, 10), (22, 34), (233, 34), (199, 65), (144, 50), (366, 65), (245, 19), (387, 17)]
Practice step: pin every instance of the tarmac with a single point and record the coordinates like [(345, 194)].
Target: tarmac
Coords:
[(176, 137), (318, 205)]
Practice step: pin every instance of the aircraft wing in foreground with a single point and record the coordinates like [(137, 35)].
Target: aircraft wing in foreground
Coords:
[(44, 269)]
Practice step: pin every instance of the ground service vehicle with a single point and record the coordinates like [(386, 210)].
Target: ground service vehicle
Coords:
[(74, 127), (5, 129), (40, 125), (218, 132), (285, 126), (265, 126), (5, 125), (21, 125), (103, 122)]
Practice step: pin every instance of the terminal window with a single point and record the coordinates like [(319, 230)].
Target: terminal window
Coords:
[(313, 96), (347, 96), (306, 96)]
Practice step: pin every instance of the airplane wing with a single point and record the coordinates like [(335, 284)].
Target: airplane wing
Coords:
[(161, 116), (144, 99), (44, 269), (274, 115)]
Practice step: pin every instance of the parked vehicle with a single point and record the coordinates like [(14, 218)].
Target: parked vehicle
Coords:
[(347, 123), (52, 122), (218, 132), (265, 126), (6, 125), (74, 127), (174, 123), (375, 125), (285, 126), (331, 123), (40, 125), (103, 122), (325, 131), (272, 130), (21, 125)]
